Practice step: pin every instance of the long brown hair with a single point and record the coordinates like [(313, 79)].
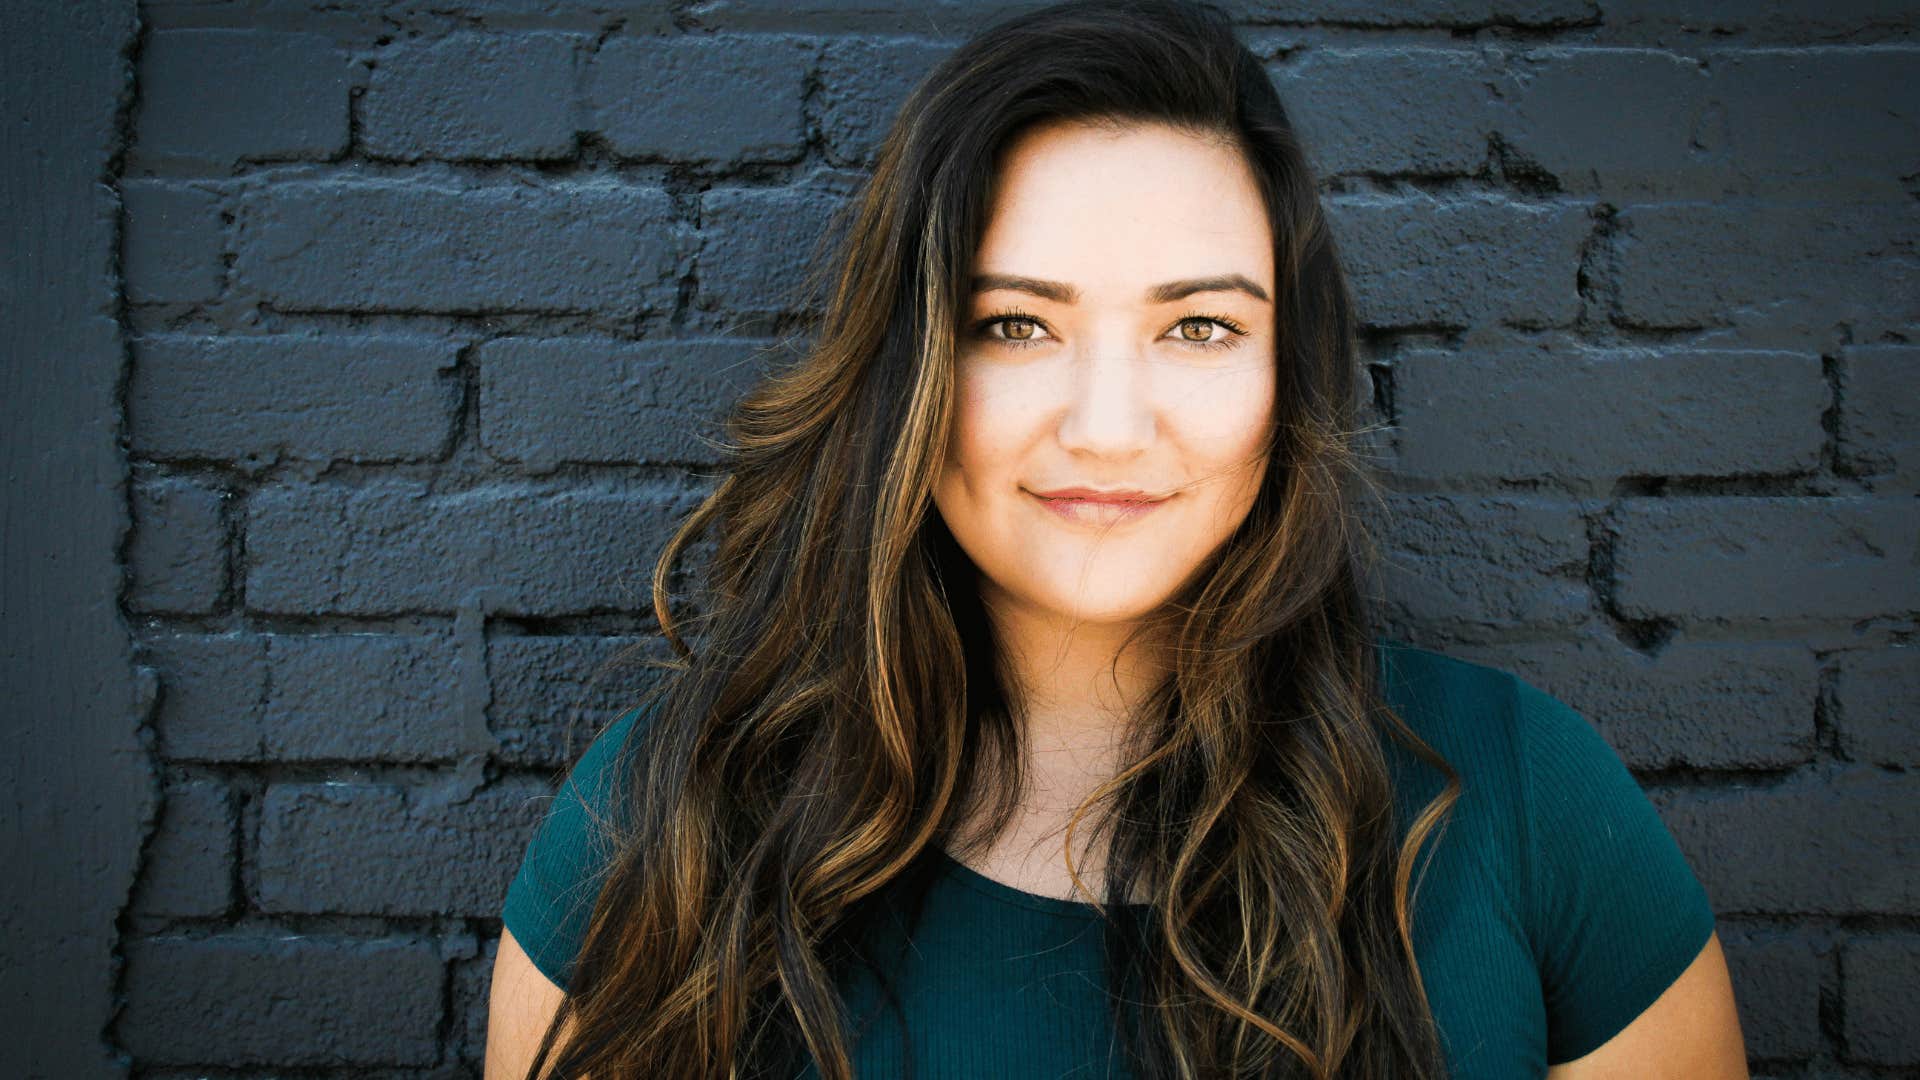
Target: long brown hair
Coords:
[(834, 707)]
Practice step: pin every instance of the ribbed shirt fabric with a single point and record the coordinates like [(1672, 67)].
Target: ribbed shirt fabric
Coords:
[(1555, 908)]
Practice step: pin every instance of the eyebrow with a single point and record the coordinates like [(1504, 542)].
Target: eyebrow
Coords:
[(1062, 293)]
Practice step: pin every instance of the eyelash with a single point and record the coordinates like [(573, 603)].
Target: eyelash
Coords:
[(1236, 331)]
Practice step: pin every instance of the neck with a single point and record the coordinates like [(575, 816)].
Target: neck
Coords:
[(1077, 682)]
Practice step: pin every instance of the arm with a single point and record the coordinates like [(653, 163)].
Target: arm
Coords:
[(520, 1005), (1691, 1031)]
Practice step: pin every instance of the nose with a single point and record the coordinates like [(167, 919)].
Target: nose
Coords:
[(1108, 413)]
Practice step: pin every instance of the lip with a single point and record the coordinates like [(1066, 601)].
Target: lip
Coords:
[(1086, 494), (1086, 506)]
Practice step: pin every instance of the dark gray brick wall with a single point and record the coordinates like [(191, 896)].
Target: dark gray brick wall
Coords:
[(429, 306)]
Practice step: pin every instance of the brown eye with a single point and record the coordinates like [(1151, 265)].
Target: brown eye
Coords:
[(1205, 327), (1027, 324)]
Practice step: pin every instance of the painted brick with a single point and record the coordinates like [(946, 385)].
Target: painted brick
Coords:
[(552, 695), (863, 83), (1879, 698), (392, 548), (255, 399), (1882, 974), (375, 841), (1480, 560), (283, 1000), (213, 694), (476, 96), (1424, 261), (1565, 410), (1757, 557), (1712, 705), (1880, 414), (1390, 110), (301, 697), (651, 402), (363, 697), (179, 548), (188, 863), (1776, 980), (390, 245), (933, 18), (698, 99), (1779, 273), (1828, 840), (224, 95), (1450, 13), (755, 241), (1799, 21), (173, 248)]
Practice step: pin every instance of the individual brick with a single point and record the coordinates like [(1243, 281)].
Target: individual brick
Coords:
[(376, 839), (364, 697), (552, 695), (473, 95), (391, 548), (1818, 123), (1880, 413), (751, 237), (1836, 840), (1578, 413), (1882, 977), (226, 95), (179, 548), (863, 83), (1776, 977), (1780, 273), (391, 245), (934, 18), (1641, 136), (284, 1000), (1479, 560), (213, 694), (1448, 13), (1395, 110), (325, 398), (1797, 22), (187, 867), (1711, 705), (173, 248), (645, 402), (1423, 261), (1879, 698), (725, 99), (1764, 557)]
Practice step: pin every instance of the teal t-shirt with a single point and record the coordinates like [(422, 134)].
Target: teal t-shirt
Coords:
[(1556, 906)]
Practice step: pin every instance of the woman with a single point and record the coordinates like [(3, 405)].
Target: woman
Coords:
[(1035, 726)]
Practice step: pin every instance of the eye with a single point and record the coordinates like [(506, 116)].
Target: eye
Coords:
[(1019, 329), (1234, 331)]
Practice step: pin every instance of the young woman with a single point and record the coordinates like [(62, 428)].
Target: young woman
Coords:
[(1034, 725)]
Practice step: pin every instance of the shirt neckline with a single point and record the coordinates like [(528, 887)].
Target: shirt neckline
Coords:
[(1001, 891)]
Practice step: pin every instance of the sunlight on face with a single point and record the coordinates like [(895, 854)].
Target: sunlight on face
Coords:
[(1103, 383)]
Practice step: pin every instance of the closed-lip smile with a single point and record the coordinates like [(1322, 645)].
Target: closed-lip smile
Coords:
[(1096, 495)]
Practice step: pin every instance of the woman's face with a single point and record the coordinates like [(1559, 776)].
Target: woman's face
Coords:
[(1120, 335)]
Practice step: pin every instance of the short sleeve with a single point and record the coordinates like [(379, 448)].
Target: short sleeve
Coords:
[(552, 895), (1617, 913)]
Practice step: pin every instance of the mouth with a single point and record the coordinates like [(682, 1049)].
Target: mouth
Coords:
[(1084, 510)]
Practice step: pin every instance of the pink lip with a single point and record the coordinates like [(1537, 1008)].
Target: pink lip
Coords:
[(1085, 494), (1087, 507)]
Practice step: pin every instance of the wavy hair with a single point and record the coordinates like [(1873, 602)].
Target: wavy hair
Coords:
[(834, 706)]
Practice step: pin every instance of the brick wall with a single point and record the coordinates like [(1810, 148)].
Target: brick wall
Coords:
[(428, 303)]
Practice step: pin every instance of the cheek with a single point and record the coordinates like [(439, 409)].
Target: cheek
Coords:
[(991, 425)]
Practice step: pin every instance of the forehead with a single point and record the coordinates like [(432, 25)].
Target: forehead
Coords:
[(1101, 206)]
